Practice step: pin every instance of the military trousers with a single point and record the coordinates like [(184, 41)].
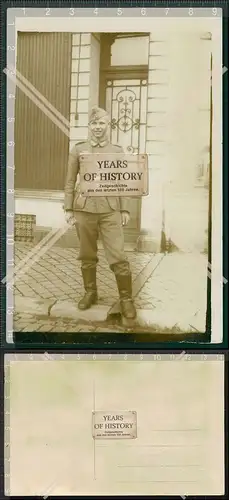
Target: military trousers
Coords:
[(109, 227)]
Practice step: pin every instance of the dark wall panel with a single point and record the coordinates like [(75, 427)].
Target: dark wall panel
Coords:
[(41, 148)]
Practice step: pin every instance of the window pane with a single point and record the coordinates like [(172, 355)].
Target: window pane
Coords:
[(130, 51), (127, 107), (122, 83)]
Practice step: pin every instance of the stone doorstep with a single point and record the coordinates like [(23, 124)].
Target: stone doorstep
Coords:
[(146, 318)]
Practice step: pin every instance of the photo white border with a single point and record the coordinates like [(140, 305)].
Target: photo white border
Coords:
[(214, 405), (212, 24)]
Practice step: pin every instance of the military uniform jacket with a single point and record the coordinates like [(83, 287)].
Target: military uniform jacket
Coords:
[(73, 199)]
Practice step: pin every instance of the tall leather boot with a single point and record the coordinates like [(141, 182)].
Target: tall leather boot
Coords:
[(124, 282), (90, 297)]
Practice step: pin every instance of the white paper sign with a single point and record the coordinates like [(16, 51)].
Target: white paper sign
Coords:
[(113, 175), (114, 424)]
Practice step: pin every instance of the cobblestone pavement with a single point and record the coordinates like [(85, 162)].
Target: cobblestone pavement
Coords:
[(174, 287), (47, 332), (57, 275), (30, 323)]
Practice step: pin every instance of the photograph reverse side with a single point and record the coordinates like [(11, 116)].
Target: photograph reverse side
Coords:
[(114, 426)]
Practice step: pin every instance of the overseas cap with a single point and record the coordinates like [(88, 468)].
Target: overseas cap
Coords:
[(97, 113)]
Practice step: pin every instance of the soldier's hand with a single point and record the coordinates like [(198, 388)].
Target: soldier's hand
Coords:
[(69, 217), (125, 218)]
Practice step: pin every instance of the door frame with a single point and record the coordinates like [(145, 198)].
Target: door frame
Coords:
[(108, 72), (120, 73), (123, 73)]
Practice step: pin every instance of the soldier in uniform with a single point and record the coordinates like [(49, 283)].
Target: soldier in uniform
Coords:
[(94, 215)]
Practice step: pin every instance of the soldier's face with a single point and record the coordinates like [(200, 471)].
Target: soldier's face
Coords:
[(99, 127)]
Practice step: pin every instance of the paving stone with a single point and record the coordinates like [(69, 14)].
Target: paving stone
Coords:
[(17, 328), (33, 327), (86, 328), (20, 325), (27, 316), (71, 329), (60, 329), (47, 327), (29, 319), (80, 328)]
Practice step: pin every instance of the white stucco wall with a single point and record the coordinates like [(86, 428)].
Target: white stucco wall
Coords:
[(178, 127), (94, 71), (49, 213)]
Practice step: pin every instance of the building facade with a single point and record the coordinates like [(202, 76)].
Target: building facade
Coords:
[(156, 87)]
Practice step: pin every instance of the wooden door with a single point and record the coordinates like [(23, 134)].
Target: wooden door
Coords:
[(41, 147)]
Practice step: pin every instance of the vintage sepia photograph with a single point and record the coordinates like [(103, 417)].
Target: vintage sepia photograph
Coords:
[(146, 263), (84, 426)]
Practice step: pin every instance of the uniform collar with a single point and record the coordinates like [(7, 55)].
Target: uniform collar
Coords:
[(99, 144)]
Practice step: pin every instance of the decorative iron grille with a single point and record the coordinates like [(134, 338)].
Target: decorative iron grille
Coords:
[(24, 225), (126, 101)]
